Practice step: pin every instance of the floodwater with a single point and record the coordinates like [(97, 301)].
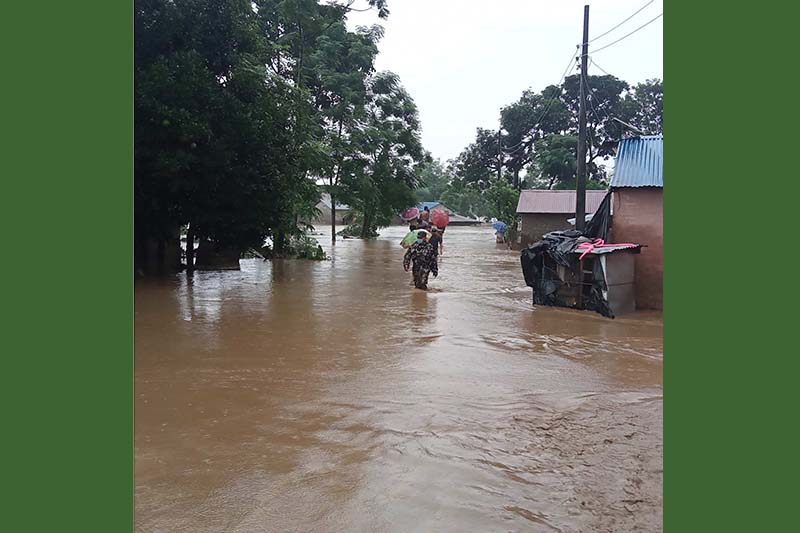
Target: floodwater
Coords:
[(333, 396)]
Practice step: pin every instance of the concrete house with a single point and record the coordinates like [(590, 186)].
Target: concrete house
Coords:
[(325, 208), (542, 211), (637, 193)]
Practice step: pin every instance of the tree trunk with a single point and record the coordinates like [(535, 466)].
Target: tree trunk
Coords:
[(334, 182), (279, 243), (190, 249), (333, 220), (213, 256), (365, 225), (516, 179), (161, 255)]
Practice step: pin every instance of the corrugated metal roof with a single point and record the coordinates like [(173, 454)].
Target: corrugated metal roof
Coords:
[(429, 205), (609, 248), (547, 201), (639, 162)]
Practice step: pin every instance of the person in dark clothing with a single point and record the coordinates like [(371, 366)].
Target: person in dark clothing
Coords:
[(423, 256), (436, 240)]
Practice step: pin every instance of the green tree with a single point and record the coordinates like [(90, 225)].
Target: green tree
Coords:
[(343, 62), (643, 106), (501, 202), (434, 180), (480, 161), (200, 158), (379, 182), (239, 107), (528, 120), (604, 101), (465, 200)]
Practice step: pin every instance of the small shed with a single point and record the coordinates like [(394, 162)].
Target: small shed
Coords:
[(567, 269), (638, 189), (542, 211)]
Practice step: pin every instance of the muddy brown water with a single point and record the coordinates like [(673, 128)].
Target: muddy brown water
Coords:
[(332, 396)]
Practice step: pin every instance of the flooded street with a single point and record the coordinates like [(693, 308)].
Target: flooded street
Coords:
[(332, 396)]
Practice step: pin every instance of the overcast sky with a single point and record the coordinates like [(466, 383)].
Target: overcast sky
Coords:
[(462, 60)]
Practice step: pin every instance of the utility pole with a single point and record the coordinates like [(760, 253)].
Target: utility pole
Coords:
[(580, 189)]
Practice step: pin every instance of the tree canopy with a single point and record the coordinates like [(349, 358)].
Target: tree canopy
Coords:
[(537, 145), (241, 107)]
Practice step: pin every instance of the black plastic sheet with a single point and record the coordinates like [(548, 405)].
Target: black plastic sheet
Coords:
[(597, 228)]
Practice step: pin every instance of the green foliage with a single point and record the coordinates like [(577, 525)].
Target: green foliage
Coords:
[(538, 143), (356, 230), (434, 180), (478, 163), (379, 179), (643, 106), (305, 247), (556, 157), (539, 134), (240, 106), (501, 202)]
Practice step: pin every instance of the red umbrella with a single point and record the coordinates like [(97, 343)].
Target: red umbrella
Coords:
[(410, 214), (440, 218)]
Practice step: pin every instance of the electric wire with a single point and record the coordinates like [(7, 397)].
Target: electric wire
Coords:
[(621, 23), (629, 34)]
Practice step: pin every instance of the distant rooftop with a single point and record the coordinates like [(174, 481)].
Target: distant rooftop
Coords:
[(560, 202), (639, 162), (326, 200), (429, 205)]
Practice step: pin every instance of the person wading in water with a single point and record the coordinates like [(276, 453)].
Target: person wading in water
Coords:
[(436, 240), (423, 255)]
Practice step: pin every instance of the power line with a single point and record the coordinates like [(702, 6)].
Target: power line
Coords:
[(591, 60), (609, 117), (623, 22), (513, 149), (516, 148), (631, 33), (590, 92)]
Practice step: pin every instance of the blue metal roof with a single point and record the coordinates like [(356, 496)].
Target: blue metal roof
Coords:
[(429, 205), (640, 162)]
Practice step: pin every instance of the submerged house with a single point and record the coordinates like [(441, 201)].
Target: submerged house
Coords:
[(325, 209), (542, 211), (637, 188)]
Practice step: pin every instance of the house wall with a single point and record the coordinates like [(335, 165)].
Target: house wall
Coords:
[(324, 218), (638, 219), (534, 225)]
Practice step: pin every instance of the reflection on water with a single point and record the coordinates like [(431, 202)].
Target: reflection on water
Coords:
[(332, 396)]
